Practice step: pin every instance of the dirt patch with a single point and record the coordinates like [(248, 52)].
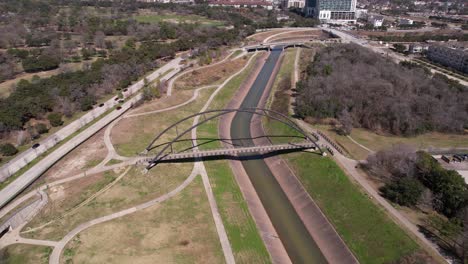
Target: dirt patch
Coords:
[(259, 37), (164, 102), (210, 75), (84, 157), (310, 34)]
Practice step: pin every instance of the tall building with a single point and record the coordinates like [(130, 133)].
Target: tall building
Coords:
[(332, 10)]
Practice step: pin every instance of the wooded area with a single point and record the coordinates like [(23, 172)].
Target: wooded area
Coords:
[(363, 89), (417, 180)]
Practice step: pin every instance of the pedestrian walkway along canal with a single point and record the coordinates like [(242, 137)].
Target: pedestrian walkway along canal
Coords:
[(297, 241)]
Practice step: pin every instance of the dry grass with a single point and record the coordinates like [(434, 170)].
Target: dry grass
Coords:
[(211, 75), (309, 34), (259, 37), (25, 254), (180, 230), (377, 142), (90, 153), (164, 102), (134, 188), (132, 135)]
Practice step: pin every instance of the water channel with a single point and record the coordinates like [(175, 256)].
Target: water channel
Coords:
[(297, 241)]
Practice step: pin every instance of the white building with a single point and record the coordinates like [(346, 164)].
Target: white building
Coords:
[(296, 3), (376, 21), (332, 11), (361, 13)]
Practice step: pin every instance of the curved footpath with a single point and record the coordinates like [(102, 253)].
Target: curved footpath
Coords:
[(198, 169)]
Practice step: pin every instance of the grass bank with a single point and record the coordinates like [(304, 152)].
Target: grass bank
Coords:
[(242, 232), (370, 234)]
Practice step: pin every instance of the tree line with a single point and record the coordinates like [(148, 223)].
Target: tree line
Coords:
[(361, 88), (415, 179)]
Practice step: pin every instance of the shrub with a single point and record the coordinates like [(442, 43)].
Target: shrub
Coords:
[(405, 191), (87, 103), (41, 128), (8, 149), (55, 119), (41, 63)]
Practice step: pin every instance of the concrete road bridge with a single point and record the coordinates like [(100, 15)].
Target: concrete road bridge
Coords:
[(280, 45), (166, 152)]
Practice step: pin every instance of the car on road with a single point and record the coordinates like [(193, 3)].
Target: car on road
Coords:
[(101, 105), (35, 146)]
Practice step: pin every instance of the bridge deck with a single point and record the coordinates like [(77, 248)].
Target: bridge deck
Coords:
[(234, 151)]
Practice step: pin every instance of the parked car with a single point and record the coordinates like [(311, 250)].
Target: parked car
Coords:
[(101, 105), (119, 107)]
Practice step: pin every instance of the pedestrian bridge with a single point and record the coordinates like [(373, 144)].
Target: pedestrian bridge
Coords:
[(233, 151), (166, 151)]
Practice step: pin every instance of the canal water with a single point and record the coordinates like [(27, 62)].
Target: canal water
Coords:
[(299, 245)]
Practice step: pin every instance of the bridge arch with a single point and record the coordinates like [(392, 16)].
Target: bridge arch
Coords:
[(215, 114)]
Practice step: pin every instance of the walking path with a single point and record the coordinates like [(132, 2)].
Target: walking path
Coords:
[(350, 167), (173, 80), (57, 251), (14, 236)]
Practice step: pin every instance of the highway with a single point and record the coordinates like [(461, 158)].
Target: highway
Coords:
[(14, 188)]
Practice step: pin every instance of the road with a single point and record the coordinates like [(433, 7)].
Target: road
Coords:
[(35, 171), (381, 49)]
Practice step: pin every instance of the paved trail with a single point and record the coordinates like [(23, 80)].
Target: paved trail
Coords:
[(14, 236)]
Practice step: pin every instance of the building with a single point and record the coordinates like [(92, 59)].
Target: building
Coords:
[(449, 57), (361, 13), (404, 21), (376, 21), (416, 48), (242, 3), (332, 11), (296, 3)]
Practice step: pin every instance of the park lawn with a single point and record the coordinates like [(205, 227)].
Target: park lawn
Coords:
[(376, 142), (351, 149), (176, 18), (131, 136), (135, 188), (178, 230), (370, 234), (241, 229), (25, 254)]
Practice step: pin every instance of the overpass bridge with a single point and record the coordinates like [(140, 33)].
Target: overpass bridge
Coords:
[(270, 46)]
